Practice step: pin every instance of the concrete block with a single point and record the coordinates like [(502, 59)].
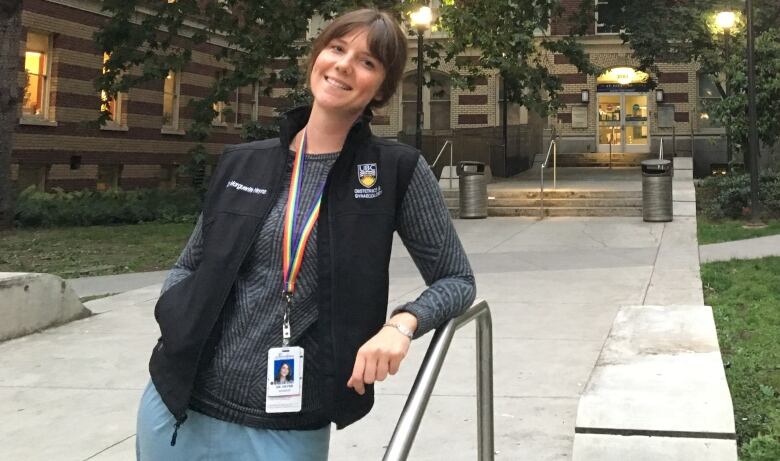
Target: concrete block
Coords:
[(683, 163), (659, 374), (447, 173), (643, 448), (30, 302)]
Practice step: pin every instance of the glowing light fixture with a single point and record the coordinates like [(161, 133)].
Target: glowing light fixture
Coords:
[(422, 18), (725, 19)]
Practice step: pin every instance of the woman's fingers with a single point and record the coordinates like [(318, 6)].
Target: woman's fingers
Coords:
[(382, 367), (356, 380)]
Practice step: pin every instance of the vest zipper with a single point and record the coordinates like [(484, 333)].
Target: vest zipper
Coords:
[(179, 422)]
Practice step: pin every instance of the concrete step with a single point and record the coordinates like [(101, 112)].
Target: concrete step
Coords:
[(558, 202), (559, 211), (553, 194)]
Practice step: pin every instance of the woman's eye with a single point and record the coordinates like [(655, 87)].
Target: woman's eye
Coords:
[(369, 64)]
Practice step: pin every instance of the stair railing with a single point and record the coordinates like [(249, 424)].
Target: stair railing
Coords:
[(661, 150), (553, 149), (446, 143), (405, 431)]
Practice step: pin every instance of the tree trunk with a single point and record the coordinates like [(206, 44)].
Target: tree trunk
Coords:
[(10, 35)]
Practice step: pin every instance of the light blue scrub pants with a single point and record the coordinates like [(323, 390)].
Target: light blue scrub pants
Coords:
[(204, 438)]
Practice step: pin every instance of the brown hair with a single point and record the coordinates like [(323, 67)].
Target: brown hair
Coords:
[(386, 41)]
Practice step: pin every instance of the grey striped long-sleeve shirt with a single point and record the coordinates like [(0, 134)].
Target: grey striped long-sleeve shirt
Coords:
[(231, 385)]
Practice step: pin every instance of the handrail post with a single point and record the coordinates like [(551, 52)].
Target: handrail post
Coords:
[(555, 166), (485, 444), (409, 422), (450, 163)]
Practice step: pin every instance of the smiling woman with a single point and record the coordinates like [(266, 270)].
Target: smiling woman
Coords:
[(226, 327)]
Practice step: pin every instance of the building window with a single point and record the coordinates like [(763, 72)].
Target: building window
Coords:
[(708, 94), (435, 103), (171, 90), (409, 103), (608, 16), (516, 114), (114, 106), (255, 101), (36, 67), (237, 109), (440, 102), (219, 106)]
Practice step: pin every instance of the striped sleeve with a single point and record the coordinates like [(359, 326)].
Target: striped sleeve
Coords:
[(189, 259), (426, 229)]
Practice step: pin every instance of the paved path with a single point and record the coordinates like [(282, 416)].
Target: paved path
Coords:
[(759, 247), (554, 286)]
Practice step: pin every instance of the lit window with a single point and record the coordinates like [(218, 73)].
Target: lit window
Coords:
[(219, 106), (608, 16), (708, 94), (36, 66), (171, 101), (114, 106)]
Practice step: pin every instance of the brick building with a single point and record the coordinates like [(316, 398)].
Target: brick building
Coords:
[(145, 143)]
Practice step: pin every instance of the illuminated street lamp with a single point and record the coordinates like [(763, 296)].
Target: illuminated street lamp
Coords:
[(752, 117), (421, 20), (725, 21)]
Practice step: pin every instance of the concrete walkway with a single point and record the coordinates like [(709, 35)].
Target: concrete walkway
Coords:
[(758, 247), (554, 287)]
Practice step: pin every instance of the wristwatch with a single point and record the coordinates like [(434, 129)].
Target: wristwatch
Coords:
[(403, 329)]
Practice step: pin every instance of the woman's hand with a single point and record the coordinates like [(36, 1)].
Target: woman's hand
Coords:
[(382, 354)]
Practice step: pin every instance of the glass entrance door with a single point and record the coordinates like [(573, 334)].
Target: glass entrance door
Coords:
[(623, 124)]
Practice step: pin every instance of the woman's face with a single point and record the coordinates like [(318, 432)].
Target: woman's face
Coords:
[(284, 370), (345, 76)]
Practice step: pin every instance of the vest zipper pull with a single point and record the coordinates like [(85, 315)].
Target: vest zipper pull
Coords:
[(179, 422)]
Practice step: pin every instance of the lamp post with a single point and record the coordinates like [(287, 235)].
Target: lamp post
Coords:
[(752, 117), (725, 20), (421, 20)]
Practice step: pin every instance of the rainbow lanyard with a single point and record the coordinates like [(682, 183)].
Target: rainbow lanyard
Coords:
[(296, 234)]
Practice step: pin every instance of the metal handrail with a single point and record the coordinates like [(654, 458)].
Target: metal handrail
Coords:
[(661, 150), (554, 150), (405, 431), (441, 152)]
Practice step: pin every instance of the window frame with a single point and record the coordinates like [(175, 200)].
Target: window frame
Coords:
[(700, 106), (118, 120), (173, 126), (44, 117), (596, 22), (426, 103)]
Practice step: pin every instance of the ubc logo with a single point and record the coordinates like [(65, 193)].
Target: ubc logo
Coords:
[(367, 174)]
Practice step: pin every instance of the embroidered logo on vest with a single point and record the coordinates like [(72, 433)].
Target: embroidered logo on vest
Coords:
[(243, 188), (367, 174)]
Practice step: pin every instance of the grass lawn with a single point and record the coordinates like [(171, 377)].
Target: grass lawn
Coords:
[(745, 297), (729, 229), (97, 250)]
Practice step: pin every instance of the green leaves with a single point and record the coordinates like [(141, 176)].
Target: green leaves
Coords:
[(511, 38)]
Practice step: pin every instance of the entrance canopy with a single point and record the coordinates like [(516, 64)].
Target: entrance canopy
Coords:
[(622, 79)]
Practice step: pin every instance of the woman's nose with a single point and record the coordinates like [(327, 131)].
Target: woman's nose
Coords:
[(343, 63)]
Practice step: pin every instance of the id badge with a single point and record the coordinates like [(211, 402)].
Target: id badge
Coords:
[(284, 385)]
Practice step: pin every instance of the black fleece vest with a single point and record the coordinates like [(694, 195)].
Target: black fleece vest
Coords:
[(360, 206)]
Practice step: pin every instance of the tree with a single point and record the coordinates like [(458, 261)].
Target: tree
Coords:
[(684, 31), (263, 43), (511, 37), (10, 33)]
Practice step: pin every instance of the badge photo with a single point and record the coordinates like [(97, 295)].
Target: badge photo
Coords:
[(367, 174)]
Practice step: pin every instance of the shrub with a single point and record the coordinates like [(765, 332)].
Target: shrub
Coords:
[(728, 196), (761, 448), (88, 207)]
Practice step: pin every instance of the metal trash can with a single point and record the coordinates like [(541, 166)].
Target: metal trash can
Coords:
[(472, 184), (657, 190)]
